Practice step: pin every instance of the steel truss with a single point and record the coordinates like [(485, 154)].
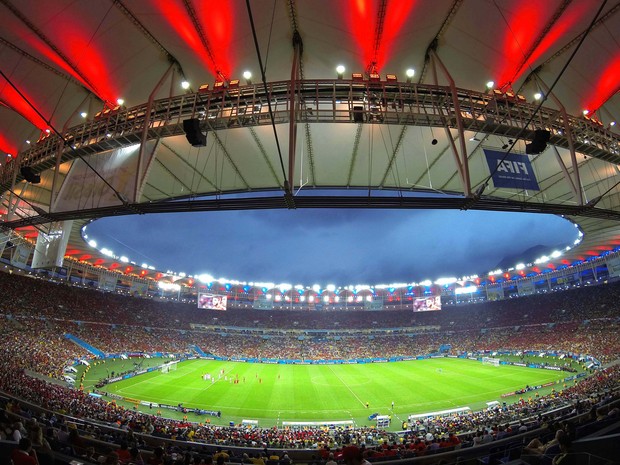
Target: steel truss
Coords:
[(320, 101)]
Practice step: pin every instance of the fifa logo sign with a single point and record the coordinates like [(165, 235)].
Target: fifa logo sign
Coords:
[(511, 170), (514, 167)]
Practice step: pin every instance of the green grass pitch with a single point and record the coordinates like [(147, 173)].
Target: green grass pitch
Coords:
[(276, 393)]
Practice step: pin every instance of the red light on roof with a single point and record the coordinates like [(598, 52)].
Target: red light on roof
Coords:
[(85, 257), (113, 266), (142, 273), (128, 269), (99, 261)]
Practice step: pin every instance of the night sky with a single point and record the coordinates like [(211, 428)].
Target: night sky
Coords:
[(340, 247)]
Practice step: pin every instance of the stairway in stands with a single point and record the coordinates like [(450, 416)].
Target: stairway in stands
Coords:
[(84, 345), (198, 350)]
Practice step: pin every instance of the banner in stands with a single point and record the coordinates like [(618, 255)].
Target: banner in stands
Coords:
[(138, 288), (107, 281), (84, 189), (526, 287), (50, 249), (511, 170), (20, 256), (261, 302), (613, 266), (495, 293), (373, 305), (212, 301)]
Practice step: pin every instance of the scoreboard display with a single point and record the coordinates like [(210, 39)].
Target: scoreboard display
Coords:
[(212, 301), (426, 304)]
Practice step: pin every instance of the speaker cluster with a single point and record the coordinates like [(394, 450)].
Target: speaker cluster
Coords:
[(29, 175), (193, 133), (539, 142)]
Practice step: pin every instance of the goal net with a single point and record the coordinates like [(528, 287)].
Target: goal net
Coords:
[(490, 361), (168, 367)]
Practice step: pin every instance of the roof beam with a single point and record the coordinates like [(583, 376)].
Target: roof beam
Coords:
[(34, 59), (356, 145), (442, 29), (576, 39), (142, 28), (203, 39), (262, 203), (186, 163), (51, 45), (556, 15), (263, 152), (372, 68)]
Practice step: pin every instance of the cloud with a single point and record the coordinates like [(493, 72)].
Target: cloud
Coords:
[(329, 246)]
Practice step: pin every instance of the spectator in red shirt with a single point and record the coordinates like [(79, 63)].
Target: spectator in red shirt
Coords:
[(24, 454)]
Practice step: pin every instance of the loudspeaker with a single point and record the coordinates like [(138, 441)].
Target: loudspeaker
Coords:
[(192, 132), (358, 114), (29, 175), (539, 142)]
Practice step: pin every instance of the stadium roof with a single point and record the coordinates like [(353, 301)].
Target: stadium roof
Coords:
[(390, 141)]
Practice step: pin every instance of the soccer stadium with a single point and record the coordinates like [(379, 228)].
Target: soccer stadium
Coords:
[(121, 108)]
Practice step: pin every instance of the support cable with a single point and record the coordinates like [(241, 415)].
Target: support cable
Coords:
[(118, 195), (287, 188), (485, 183)]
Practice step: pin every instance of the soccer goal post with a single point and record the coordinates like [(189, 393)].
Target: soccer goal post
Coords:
[(490, 361), (168, 367)]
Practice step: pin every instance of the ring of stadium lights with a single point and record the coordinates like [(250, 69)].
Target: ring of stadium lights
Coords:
[(283, 287), (590, 138)]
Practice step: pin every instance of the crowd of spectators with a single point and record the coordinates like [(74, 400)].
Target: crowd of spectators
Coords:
[(593, 395), (40, 345), (34, 335), (35, 297), (35, 315)]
